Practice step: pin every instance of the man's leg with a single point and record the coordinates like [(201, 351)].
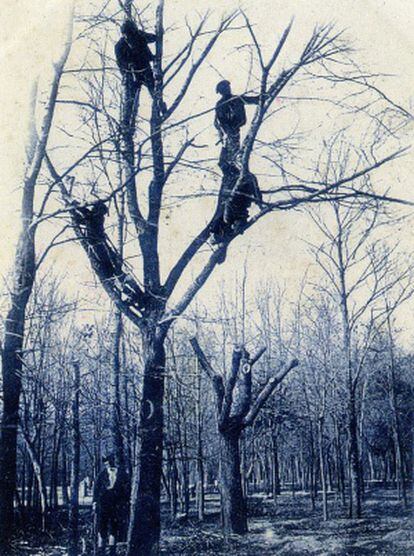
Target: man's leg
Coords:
[(112, 546), (130, 101), (233, 148), (102, 527), (113, 531), (101, 544)]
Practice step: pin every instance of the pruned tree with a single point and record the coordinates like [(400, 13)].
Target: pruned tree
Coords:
[(236, 410)]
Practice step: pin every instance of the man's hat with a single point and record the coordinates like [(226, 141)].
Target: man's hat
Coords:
[(222, 86), (128, 27), (110, 458)]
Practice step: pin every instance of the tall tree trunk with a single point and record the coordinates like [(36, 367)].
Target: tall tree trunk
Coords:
[(74, 483), (275, 471), (12, 368), (37, 469), (322, 467), (396, 425), (117, 427), (232, 500), (64, 478), (144, 531), (173, 481), (354, 463), (200, 455)]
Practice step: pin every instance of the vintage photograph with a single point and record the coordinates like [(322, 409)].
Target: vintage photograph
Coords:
[(207, 278)]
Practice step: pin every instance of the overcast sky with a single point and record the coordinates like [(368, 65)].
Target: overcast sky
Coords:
[(380, 30)]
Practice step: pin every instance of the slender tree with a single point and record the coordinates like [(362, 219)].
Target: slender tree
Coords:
[(23, 277)]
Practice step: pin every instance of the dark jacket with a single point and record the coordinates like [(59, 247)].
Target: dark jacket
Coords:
[(135, 54), (231, 113), (118, 495)]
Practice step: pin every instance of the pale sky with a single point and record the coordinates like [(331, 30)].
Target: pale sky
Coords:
[(380, 30)]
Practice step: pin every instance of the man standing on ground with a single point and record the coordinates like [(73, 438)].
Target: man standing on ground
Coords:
[(110, 502)]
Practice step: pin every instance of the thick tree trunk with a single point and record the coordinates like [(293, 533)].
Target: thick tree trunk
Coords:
[(232, 500), (144, 532), (23, 279)]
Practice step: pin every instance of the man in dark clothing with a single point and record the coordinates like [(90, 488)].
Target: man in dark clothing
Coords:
[(236, 195), (134, 59), (90, 223), (230, 117), (235, 207), (133, 55), (111, 502)]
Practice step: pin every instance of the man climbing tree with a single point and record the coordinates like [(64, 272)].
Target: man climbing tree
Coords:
[(134, 59), (89, 225), (229, 119), (236, 195)]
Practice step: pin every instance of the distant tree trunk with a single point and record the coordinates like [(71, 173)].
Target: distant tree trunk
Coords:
[(339, 464), (354, 463), (322, 470), (37, 469), (74, 483), (54, 475), (64, 479), (200, 455), (276, 473), (173, 481), (235, 411), (396, 425), (117, 427)]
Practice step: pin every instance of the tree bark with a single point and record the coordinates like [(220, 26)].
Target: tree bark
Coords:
[(144, 531), (275, 470), (354, 467), (232, 500), (37, 470)]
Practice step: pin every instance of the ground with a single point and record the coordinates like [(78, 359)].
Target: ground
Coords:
[(290, 528)]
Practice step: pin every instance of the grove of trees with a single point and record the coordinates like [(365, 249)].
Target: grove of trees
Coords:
[(256, 390)]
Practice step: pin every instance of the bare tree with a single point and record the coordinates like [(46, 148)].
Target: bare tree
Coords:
[(148, 303), (24, 270), (236, 410), (356, 269)]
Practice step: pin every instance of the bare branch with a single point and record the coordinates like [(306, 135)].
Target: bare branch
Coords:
[(267, 392)]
